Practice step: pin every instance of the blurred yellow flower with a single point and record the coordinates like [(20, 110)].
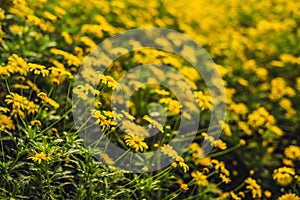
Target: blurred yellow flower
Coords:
[(254, 188), (38, 157), (200, 178), (289, 196), (292, 152), (284, 175)]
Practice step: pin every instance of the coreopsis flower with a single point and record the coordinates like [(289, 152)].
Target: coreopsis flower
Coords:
[(36, 123), (200, 178), (169, 151), (17, 64), (292, 152), (225, 179), (38, 157), (154, 123), (4, 109), (204, 100), (184, 186), (101, 119), (48, 100), (17, 100), (289, 196), (109, 81), (38, 69), (284, 175), (254, 187), (135, 143), (182, 164), (6, 123)]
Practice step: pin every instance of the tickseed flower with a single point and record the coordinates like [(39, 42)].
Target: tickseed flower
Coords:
[(154, 123), (169, 151), (3, 109), (36, 123), (17, 64), (184, 186), (181, 164), (135, 143), (200, 178), (109, 81), (289, 196), (48, 100), (133, 129), (284, 175), (17, 100), (254, 187), (225, 179), (31, 107), (38, 69), (6, 123), (204, 100), (101, 119), (38, 157), (292, 152)]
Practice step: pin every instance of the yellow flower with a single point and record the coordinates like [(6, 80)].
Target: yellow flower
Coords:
[(17, 64), (49, 16), (292, 152), (135, 143), (31, 107), (225, 179), (17, 100), (284, 175), (235, 196), (289, 196), (204, 100), (38, 157), (133, 129), (105, 157), (184, 186), (3, 109), (200, 178), (38, 69), (181, 164), (67, 37), (36, 123), (101, 119), (254, 187), (43, 96), (6, 123), (169, 151), (154, 123), (109, 81), (268, 193)]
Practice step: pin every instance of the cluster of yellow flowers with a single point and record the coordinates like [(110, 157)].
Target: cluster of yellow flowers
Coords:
[(254, 45)]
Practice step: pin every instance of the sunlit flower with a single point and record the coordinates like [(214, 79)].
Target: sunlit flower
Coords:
[(225, 179), (254, 188), (17, 100), (38, 69), (38, 157), (292, 152), (200, 178), (6, 123), (284, 175), (289, 196), (135, 143), (36, 123), (169, 151)]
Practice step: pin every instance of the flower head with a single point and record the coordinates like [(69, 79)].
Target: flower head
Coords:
[(135, 143), (284, 175), (38, 157)]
